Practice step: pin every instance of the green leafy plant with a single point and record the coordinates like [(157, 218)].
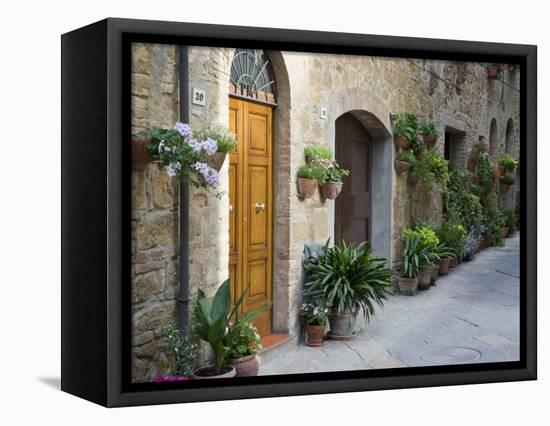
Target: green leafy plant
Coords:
[(182, 348), (308, 171), (427, 248), (226, 140), (407, 126), (428, 129), (314, 313), (507, 163), (333, 173), (431, 168), (509, 219), (406, 155), (507, 180), (316, 152), (218, 323), (346, 278), (451, 234), (411, 261), (246, 340)]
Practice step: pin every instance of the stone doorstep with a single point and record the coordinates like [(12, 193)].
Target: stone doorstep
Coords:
[(274, 344)]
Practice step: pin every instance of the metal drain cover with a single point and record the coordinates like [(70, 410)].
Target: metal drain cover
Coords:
[(451, 355)]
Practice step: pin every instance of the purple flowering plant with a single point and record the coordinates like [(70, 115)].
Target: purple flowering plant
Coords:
[(185, 153)]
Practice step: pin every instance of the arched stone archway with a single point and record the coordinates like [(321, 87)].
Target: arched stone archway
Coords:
[(509, 147), (374, 116), (493, 139)]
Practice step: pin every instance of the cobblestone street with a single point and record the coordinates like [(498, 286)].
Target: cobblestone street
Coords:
[(470, 316)]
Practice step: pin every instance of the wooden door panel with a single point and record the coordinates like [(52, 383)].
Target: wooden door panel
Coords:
[(353, 206), (250, 234)]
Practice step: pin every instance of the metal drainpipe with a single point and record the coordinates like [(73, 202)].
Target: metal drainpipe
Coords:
[(183, 296)]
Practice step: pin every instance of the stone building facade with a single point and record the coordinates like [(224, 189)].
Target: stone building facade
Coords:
[(312, 92)]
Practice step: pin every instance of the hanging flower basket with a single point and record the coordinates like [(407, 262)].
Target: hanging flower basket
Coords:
[(216, 161), (306, 188), (429, 140), (140, 155), (400, 142), (331, 190), (402, 166), (504, 188)]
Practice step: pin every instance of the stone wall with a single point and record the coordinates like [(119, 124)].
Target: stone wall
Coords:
[(155, 103), (457, 96)]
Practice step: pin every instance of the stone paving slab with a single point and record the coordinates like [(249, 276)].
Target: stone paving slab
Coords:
[(471, 315)]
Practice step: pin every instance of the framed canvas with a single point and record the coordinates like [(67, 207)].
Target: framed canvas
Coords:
[(254, 212)]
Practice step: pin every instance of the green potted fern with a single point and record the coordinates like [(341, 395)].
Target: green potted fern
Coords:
[(348, 279)]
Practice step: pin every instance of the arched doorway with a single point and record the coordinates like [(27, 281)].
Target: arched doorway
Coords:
[(493, 140), (352, 221), (252, 100), (363, 212), (510, 137)]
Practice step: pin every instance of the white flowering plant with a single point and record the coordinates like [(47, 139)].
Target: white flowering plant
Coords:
[(186, 154), (314, 313)]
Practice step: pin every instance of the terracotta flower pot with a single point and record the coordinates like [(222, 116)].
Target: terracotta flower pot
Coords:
[(425, 278), (315, 334), (444, 264), (435, 273), (402, 166), (342, 326), (429, 140), (306, 188), (504, 231), (331, 190), (246, 366), (407, 286), (206, 373), (504, 188), (216, 161), (400, 142), (493, 71), (140, 155)]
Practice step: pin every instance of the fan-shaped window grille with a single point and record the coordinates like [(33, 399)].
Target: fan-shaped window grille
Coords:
[(252, 76)]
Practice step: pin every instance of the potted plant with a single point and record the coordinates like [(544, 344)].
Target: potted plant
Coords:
[(506, 163), (317, 153), (427, 252), (244, 347), (348, 279), (409, 266), (180, 154), (505, 183), (225, 142), (314, 316), (404, 161), (429, 134), (510, 221), (217, 324), (405, 129), (181, 351), (308, 176), (494, 70), (332, 181), (451, 234)]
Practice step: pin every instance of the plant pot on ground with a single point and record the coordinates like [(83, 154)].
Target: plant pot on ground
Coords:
[(407, 286), (504, 231), (244, 347), (425, 277), (444, 265), (218, 324), (453, 263), (315, 316), (435, 273), (347, 279)]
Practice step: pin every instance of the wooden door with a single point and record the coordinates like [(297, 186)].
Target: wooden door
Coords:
[(353, 206), (251, 208)]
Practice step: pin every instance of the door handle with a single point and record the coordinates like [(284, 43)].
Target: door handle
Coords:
[(230, 208), (260, 207)]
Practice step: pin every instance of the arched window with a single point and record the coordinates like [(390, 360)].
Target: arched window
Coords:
[(252, 76), (510, 137), (493, 139)]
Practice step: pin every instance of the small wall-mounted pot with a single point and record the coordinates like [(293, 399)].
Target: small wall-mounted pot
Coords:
[(331, 190), (493, 71), (504, 188), (306, 188), (400, 142), (140, 155), (429, 140), (216, 161), (401, 166)]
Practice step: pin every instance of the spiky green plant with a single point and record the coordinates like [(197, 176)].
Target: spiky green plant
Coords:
[(347, 277)]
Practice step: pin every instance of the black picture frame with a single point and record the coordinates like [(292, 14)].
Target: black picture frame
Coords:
[(95, 205)]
